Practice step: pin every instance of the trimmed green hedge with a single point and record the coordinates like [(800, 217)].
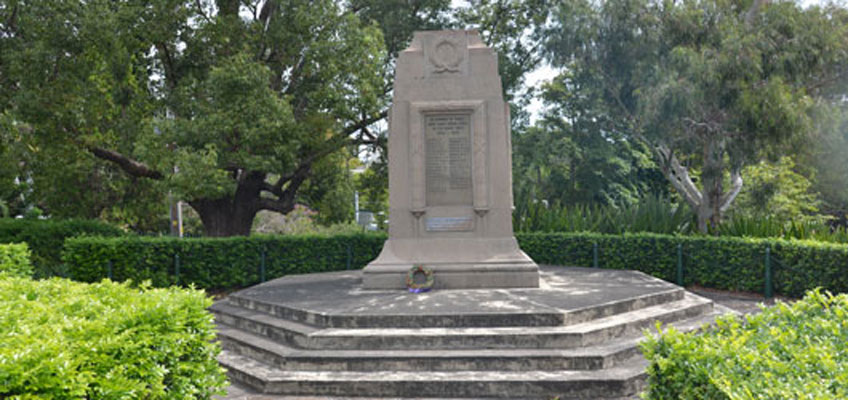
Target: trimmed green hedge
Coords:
[(717, 262), (46, 238), (14, 260), (61, 339), (722, 263), (215, 263), (796, 351)]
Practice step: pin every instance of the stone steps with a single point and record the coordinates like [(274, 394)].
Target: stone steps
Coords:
[(323, 337), (618, 382), (605, 355), (436, 320), (560, 337)]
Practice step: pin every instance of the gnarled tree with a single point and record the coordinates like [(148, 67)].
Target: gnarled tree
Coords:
[(710, 86), (229, 104)]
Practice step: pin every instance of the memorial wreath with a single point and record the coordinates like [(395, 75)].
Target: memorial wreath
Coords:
[(419, 287)]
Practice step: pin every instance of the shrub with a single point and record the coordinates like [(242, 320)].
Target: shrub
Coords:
[(796, 351), (716, 262), (46, 238), (61, 339), (14, 260), (722, 263), (215, 262), (653, 213)]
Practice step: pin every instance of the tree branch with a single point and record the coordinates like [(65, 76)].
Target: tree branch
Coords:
[(752, 12), (127, 164), (201, 12), (679, 177), (12, 20), (736, 182), (363, 123), (274, 205), (168, 63)]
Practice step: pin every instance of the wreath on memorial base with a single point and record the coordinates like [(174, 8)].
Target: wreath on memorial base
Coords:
[(419, 287)]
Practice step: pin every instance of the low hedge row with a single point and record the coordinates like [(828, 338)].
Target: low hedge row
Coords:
[(722, 263), (61, 339), (215, 263), (46, 238), (718, 262), (14, 260), (796, 351)]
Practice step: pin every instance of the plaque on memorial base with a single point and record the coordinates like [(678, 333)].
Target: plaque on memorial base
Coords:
[(450, 170)]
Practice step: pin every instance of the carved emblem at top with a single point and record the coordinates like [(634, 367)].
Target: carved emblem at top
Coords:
[(446, 55)]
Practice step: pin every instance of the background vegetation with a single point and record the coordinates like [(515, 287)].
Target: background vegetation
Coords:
[(789, 351), (61, 339), (114, 111), (15, 260), (223, 263)]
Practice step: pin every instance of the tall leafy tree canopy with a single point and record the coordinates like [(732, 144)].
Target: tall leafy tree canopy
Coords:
[(707, 86), (228, 104)]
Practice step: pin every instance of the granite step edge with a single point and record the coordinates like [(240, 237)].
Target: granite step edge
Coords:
[(446, 320), (622, 381), (286, 357), (304, 336)]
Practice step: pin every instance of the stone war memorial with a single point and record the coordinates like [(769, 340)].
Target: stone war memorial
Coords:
[(450, 171), (451, 308)]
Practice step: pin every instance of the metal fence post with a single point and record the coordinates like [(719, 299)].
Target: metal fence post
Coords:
[(595, 255), (680, 264), (349, 257), (111, 276), (262, 266), (177, 268), (769, 290)]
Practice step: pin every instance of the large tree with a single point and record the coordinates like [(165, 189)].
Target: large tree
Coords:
[(708, 86), (229, 104)]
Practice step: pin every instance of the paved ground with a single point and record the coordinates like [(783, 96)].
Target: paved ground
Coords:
[(561, 290), (745, 303)]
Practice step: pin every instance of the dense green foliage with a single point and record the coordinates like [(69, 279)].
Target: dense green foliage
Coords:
[(14, 260), (789, 351), (46, 238), (650, 214), (723, 263), (232, 106), (770, 227), (215, 263), (657, 214), (716, 262), (66, 340), (226, 104), (708, 87), (777, 190)]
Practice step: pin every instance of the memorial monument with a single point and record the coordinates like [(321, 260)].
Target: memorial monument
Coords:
[(556, 332), (450, 170)]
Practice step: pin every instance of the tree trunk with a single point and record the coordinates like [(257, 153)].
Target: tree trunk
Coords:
[(232, 215), (710, 202), (224, 217)]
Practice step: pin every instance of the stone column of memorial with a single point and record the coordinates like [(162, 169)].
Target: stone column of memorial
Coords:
[(450, 170)]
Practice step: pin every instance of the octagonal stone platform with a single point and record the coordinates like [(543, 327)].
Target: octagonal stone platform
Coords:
[(575, 337)]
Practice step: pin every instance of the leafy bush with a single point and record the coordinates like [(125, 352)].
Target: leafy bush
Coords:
[(61, 339), (717, 262), (14, 260), (750, 226), (796, 351), (215, 262), (723, 262), (651, 214), (46, 238)]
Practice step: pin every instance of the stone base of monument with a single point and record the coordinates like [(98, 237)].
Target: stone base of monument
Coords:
[(574, 337), (457, 263)]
